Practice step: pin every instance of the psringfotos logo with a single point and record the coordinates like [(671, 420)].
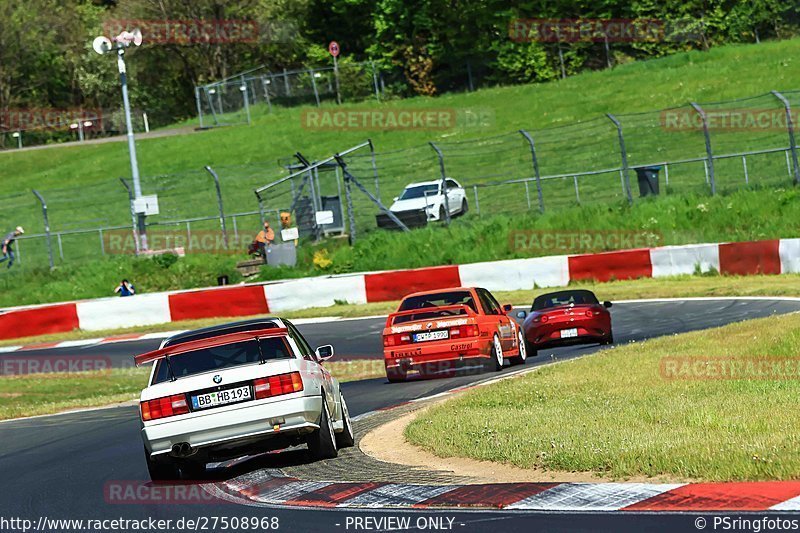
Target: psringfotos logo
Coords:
[(381, 119), (544, 242)]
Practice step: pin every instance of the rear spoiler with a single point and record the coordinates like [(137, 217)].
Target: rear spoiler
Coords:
[(211, 342), (460, 307)]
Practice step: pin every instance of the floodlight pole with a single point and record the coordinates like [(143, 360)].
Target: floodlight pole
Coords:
[(137, 187)]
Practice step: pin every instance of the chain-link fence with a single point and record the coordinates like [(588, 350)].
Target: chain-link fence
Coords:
[(706, 148)]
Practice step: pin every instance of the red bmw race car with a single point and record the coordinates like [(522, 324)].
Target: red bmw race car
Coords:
[(438, 330), (564, 318)]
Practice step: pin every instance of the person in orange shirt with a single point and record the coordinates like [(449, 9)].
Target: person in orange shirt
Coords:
[(265, 237)]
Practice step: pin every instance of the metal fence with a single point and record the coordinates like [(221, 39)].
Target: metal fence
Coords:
[(702, 149), (239, 98)]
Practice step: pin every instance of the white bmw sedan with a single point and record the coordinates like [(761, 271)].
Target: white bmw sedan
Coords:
[(233, 390)]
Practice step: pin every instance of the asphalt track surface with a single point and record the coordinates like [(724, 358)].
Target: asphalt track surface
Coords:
[(57, 466)]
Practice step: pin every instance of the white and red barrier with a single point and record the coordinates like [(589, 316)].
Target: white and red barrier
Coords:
[(738, 258)]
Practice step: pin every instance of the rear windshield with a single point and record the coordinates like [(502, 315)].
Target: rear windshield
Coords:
[(428, 302), (229, 355), (558, 299)]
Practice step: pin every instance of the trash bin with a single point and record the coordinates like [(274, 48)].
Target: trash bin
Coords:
[(222, 280), (648, 180)]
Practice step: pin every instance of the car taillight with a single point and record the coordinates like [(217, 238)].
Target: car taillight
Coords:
[(396, 339), (164, 407), (470, 330), (589, 313), (277, 385), (543, 318)]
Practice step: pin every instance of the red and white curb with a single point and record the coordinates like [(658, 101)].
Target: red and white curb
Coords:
[(777, 256), (274, 490)]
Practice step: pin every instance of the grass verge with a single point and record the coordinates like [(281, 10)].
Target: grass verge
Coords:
[(617, 413), (669, 287), (40, 394)]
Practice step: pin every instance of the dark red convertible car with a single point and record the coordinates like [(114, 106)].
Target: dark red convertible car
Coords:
[(564, 318)]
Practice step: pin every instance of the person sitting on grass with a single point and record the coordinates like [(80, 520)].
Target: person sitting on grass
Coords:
[(125, 288), (8, 251)]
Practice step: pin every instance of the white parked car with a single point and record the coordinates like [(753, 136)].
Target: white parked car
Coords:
[(428, 195), (227, 391)]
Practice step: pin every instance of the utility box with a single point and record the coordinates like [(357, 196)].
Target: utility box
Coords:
[(648, 180)]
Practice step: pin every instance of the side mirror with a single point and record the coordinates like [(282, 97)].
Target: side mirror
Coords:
[(521, 314), (508, 308), (324, 352), (606, 304)]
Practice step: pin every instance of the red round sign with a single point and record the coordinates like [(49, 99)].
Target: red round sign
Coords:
[(333, 48)]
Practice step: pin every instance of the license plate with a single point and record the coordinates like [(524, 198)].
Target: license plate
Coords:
[(431, 336), (222, 397), (568, 333)]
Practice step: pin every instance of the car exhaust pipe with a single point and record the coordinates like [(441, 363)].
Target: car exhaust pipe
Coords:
[(182, 449)]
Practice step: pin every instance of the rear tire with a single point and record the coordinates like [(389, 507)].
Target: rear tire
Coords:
[(523, 350), (464, 207), (442, 216), (608, 340), (496, 360), (346, 438), (322, 442), (396, 375)]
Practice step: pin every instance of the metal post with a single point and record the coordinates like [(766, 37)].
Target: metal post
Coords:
[(102, 244), (444, 183), (133, 215), (351, 217), (188, 236), (336, 79), (80, 130), (266, 84), (374, 168), (705, 168), (535, 169), (710, 153), (527, 194), (60, 246), (788, 165), (624, 153), (314, 85), (243, 89), (197, 104), (46, 227), (477, 204), (137, 187), (235, 228), (744, 165), (219, 204), (577, 193), (375, 82), (363, 189), (790, 130), (469, 78), (666, 174), (286, 83)]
